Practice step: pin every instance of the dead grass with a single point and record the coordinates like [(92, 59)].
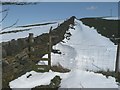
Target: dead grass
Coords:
[(59, 68)]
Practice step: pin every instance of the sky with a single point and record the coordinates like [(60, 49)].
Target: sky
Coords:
[(60, 0), (52, 11)]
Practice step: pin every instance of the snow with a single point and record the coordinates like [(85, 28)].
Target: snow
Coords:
[(36, 30), (42, 63), (83, 79), (35, 80), (112, 18), (85, 51), (119, 86), (73, 79), (67, 58)]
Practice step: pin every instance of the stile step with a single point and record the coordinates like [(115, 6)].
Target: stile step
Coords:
[(44, 59), (42, 68), (41, 59)]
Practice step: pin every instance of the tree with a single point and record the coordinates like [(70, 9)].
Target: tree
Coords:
[(6, 11)]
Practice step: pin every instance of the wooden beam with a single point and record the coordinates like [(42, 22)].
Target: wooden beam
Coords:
[(44, 59), (37, 58), (42, 68)]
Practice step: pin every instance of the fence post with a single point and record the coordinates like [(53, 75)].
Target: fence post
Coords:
[(50, 47), (117, 67), (30, 43)]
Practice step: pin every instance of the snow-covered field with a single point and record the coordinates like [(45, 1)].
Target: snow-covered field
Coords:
[(112, 18), (85, 50), (36, 30)]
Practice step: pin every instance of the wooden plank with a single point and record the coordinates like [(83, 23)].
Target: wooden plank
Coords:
[(41, 59), (44, 59), (42, 68)]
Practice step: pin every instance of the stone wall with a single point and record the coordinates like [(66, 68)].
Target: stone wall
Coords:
[(16, 61)]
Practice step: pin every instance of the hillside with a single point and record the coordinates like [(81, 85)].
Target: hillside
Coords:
[(107, 27)]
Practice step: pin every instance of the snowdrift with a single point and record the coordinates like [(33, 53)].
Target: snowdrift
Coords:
[(86, 50)]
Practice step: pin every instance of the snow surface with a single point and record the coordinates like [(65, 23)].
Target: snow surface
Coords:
[(112, 18), (36, 30), (85, 51), (73, 79)]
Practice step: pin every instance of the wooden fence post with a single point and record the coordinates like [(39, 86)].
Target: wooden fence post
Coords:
[(117, 67), (30, 43), (50, 47)]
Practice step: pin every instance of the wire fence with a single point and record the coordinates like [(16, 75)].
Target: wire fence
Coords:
[(92, 57), (97, 58)]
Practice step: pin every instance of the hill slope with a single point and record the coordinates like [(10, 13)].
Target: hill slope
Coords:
[(105, 26)]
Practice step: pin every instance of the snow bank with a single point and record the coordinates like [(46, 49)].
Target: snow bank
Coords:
[(112, 18), (73, 79), (86, 50), (66, 58), (83, 79), (35, 80)]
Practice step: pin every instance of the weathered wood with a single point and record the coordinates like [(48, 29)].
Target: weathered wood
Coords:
[(117, 68), (44, 59), (42, 68), (30, 43), (40, 59), (50, 47)]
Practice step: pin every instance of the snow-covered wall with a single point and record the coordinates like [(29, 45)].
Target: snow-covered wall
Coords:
[(90, 50)]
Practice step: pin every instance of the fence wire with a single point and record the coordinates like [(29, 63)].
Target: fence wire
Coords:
[(95, 58)]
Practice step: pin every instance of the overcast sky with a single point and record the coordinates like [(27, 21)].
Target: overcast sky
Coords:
[(29, 14)]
